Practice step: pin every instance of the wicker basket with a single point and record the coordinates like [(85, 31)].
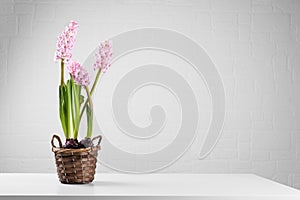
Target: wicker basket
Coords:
[(75, 166)]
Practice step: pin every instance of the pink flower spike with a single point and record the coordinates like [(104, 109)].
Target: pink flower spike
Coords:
[(79, 74), (103, 56), (83, 78), (65, 42), (74, 68)]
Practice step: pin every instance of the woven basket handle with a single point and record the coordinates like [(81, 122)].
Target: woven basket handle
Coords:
[(97, 137), (58, 139)]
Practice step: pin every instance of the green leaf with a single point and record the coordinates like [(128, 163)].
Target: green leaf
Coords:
[(81, 99), (63, 109), (89, 115), (76, 104), (69, 112)]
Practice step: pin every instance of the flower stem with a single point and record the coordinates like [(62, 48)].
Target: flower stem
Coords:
[(62, 72), (89, 97), (91, 93), (89, 114), (96, 81)]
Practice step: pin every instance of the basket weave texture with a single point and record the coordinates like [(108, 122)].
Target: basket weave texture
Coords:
[(75, 166)]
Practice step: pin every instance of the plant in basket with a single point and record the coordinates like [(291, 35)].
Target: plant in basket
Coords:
[(76, 160)]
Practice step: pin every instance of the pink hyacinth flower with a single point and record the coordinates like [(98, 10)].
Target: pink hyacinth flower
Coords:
[(103, 56), (65, 42), (83, 78), (78, 73), (74, 68)]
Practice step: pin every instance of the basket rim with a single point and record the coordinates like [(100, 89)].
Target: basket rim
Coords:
[(80, 150), (62, 149)]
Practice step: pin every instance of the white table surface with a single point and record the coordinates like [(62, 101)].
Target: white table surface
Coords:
[(146, 186)]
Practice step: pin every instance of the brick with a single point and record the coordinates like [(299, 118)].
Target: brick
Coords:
[(282, 155), (38, 29), (225, 68), (44, 12), (262, 8), (241, 166), (260, 155), (42, 153), (201, 5), (8, 25), (266, 2), (295, 18), (266, 169), (260, 37), (244, 151), (233, 117), (257, 116), (294, 64), (244, 136), (292, 49), (225, 21), (25, 25), (271, 140), (227, 143), (268, 115), (128, 13), (241, 49), (6, 9), (288, 166), (296, 119), (229, 135), (297, 151), (265, 85), (26, 164), (5, 112), (266, 125), (252, 68), (202, 37), (263, 51), (219, 51), (229, 85), (283, 120), (247, 102), (296, 180), (24, 8), (281, 37), (244, 86), (3, 70), (285, 6), (7, 1), (4, 43), (296, 137), (282, 178), (225, 35), (244, 33), (285, 88), (244, 18), (211, 166), (280, 61), (204, 20), (231, 5), (282, 103), (23, 1), (295, 185), (271, 22), (11, 164)]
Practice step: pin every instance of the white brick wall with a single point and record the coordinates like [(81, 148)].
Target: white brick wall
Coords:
[(254, 43)]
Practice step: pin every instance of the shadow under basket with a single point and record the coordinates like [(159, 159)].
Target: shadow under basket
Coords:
[(76, 166)]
